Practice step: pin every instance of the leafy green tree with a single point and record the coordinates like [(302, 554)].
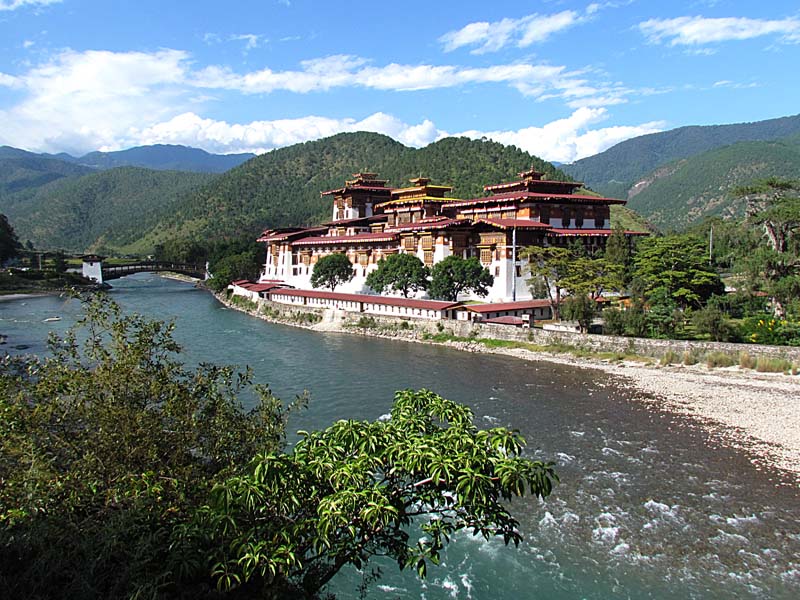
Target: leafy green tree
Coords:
[(613, 321), (678, 264), (617, 259), (403, 273), (331, 271), (357, 490), (580, 308), (455, 275), (774, 205), (9, 244), (106, 447), (712, 321), (548, 268), (245, 265), (663, 317)]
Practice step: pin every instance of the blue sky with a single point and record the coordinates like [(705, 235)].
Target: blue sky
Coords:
[(561, 79)]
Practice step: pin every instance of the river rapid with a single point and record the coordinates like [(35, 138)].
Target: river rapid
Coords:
[(649, 506)]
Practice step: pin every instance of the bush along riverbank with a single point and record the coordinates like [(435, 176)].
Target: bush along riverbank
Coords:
[(745, 395)]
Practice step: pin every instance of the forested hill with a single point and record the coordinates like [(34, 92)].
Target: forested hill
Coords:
[(683, 192), (20, 171), (106, 210), (282, 187), (619, 168)]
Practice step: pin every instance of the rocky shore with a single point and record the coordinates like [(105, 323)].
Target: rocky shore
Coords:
[(757, 412)]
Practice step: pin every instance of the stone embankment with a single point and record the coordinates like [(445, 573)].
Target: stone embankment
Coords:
[(759, 412)]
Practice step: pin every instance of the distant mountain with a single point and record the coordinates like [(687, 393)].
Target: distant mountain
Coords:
[(107, 209), (20, 171), (162, 157), (622, 166), (678, 194)]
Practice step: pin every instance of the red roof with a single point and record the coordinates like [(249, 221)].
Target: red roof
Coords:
[(371, 219), (507, 320), (263, 287), (580, 232), (387, 300), (433, 223), (499, 186), (282, 234), (346, 239), (507, 306), (523, 195), (518, 223), (358, 188)]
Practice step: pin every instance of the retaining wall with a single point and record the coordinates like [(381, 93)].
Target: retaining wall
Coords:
[(389, 326)]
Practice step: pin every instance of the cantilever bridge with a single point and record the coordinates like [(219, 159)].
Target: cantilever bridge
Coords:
[(94, 269)]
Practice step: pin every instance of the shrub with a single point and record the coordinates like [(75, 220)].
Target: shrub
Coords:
[(746, 361), (712, 321), (691, 357), (719, 359), (765, 364), (367, 323), (670, 357), (613, 321), (769, 330)]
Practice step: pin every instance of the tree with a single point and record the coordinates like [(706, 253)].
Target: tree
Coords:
[(455, 275), (581, 309), (109, 445), (617, 259), (774, 204), (245, 265), (678, 264), (403, 273), (331, 271), (9, 244), (549, 265), (355, 490)]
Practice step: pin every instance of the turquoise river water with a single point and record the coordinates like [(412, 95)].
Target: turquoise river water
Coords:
[(648, 506)]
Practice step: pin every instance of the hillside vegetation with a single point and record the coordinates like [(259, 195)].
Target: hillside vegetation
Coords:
[(616, 170), (21, 171), (105, 210), (684, 192)]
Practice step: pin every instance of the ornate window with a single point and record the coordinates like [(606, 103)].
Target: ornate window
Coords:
[(486, 256), (428, 254)]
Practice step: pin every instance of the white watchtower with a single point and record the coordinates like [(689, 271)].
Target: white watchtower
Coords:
[(93, 267)]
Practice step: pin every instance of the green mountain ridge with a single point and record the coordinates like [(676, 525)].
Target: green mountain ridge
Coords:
[(101, 210), (682, 193), (616, 170)]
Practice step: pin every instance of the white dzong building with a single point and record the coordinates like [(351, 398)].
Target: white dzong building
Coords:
[(371, 221)]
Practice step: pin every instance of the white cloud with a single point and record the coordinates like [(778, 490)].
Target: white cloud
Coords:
[(522, 32), (569, 139), (15, 4), (81, 101), (689, 31), (563, 140), (8, 81), (261, 136), (322, 74), (84, 100)]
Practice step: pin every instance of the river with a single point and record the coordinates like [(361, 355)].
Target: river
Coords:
[(648, 507)]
